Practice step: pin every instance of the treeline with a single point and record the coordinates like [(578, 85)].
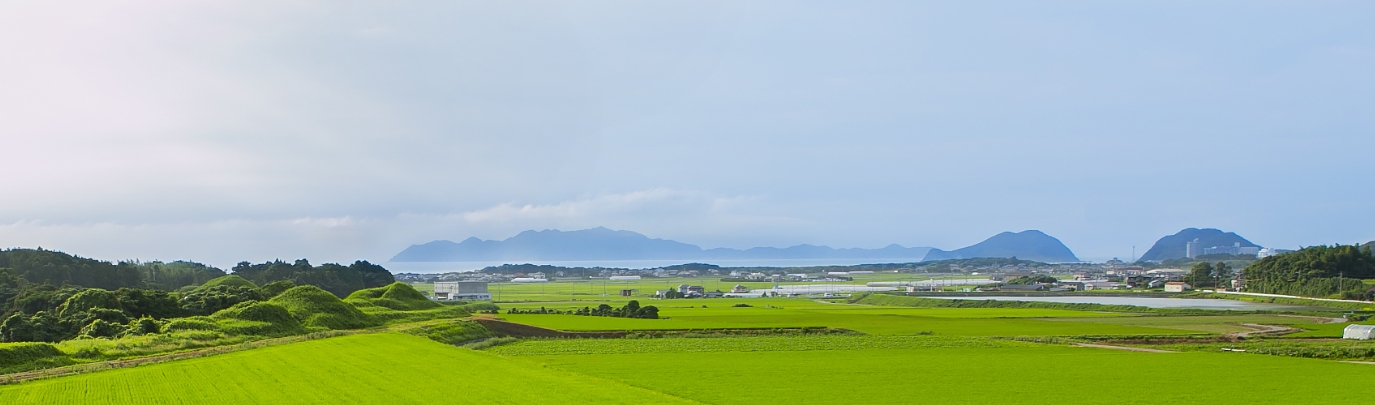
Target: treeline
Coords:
[(631, 309), (38, 266), (1315, 271), (337, 279)]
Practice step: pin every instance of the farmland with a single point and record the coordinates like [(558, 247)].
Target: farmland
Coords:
[(871, 320), (966, 375), (915, 350), (395, 368), (374, 368)]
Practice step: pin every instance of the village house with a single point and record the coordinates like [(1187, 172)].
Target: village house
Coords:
[(1177, 286)]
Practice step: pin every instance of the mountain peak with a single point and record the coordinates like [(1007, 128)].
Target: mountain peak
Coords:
[(1027, 245), (1174, 246)]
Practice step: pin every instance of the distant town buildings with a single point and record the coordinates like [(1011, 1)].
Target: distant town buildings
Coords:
[(1194, 249)]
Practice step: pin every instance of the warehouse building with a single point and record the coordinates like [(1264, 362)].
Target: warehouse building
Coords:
[(461, 290)]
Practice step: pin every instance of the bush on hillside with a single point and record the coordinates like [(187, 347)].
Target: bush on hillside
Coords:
[(100, 328), (274, 288), (143, 326), (257, 318), (210, 300), (454, 333), (138, 303), (14, 354), (86, 300), (230, 280), (191, 323), (317, 308), (398, 296), (482, 307)]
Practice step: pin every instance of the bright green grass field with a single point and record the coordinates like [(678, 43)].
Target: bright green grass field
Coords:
[(867, 319), (719, 373), (1208, 324), (381, 368)]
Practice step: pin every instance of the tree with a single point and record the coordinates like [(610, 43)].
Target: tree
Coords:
[(210, 300), (1222, 273), (16, 328), (1201, 274)]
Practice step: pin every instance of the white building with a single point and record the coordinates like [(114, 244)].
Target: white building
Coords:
[(1192, 249), (461, 290), (1177, 286), (624, 278)]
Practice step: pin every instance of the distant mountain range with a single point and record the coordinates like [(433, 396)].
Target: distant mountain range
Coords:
[(605, 244), (1173, 246)]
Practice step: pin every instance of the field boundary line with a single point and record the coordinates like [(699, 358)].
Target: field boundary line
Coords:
[(1126, 348)]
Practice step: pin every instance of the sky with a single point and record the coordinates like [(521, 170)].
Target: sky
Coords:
[(221, 131)]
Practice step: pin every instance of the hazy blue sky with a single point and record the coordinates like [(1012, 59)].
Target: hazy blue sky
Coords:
[(254, 130)]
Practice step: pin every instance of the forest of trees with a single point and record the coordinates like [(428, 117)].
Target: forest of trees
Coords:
[(38, 266), (1315, 271), (337, 279), (52, 296)]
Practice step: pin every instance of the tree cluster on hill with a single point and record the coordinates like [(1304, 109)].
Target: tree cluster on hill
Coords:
[(337, 279), (38, 266), (1315, 271)]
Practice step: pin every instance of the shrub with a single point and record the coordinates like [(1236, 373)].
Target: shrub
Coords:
[(230, 281), (192, 323), (257, 318), (101, 328), (274, 288), (454, 333), (398, 296), (14, 354), (143, 326), (482, 307), (317, 308), (86, 300), (207, 301)]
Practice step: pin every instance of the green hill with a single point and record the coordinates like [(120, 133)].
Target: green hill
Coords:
[(257, 318), (230, 280), (398, 296), (317, 308)]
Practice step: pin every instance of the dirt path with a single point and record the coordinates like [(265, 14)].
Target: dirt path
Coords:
[(1316, 319), (1130, 349), (1258, 329)]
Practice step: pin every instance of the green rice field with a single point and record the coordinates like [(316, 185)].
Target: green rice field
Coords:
[(401, 369), (958, 374), (866, 319), (384, 368)]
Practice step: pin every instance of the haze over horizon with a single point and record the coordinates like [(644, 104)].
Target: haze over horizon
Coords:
[(222, 132)]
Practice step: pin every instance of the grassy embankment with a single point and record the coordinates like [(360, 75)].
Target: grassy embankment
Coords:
[(298, 311)]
